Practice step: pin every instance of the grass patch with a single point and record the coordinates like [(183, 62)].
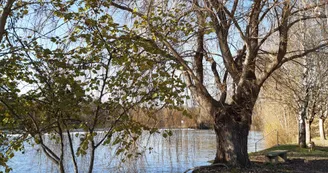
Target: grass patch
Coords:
[(300, 160), (296, 151)]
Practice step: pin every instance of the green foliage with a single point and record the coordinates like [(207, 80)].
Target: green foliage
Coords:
[(167, 133), (88, 76)]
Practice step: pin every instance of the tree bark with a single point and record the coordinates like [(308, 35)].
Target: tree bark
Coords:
[(232, 130), (322, 128), (302, 119), (61, 167), (61, 158), (92, 156), (232, 144), (308, 131), (3, 18), (301, 132), (76, 170)]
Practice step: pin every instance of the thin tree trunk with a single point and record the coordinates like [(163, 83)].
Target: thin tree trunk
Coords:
[(61, 158), (76, 170), (61, 167), (322, 128), (301, 132), (92, 156), (308, 131), (3, 18), (301, 121)]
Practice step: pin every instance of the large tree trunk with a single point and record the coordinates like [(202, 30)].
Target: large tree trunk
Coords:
[(232, 143), (322, 128), (231, 134), (231, 124)]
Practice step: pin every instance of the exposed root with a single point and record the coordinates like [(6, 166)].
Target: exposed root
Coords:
[(207, 166)]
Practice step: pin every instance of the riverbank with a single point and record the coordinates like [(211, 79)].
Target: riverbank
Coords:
[(299, 161)]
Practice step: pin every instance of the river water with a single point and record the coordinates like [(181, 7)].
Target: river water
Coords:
[(187, 148)]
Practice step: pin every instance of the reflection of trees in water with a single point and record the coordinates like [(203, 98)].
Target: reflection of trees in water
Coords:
[(178, 152)]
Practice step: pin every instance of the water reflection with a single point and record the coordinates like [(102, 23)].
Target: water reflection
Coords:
[(184, 150)]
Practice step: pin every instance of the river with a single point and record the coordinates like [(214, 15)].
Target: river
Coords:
[(185, 149)]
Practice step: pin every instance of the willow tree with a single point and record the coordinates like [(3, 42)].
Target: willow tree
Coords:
[(236, 44)]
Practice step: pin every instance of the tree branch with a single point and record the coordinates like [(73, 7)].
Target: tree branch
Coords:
[(4, 16)]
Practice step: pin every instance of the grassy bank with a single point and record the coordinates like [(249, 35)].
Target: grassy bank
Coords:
[(294, 151), (300, 160)]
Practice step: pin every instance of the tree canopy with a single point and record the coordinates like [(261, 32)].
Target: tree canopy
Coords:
[(86, 64), (73, 68)]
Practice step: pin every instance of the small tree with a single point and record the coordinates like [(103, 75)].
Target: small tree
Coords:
[(85, 77)]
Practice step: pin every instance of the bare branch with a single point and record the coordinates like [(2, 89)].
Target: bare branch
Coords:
[(4, 16)]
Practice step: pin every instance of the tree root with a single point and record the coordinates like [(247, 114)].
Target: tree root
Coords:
[(207, 166)]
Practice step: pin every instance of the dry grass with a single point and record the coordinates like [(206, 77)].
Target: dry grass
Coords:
[(278, 110), (170, 118), (278, 124), (167, 118)]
